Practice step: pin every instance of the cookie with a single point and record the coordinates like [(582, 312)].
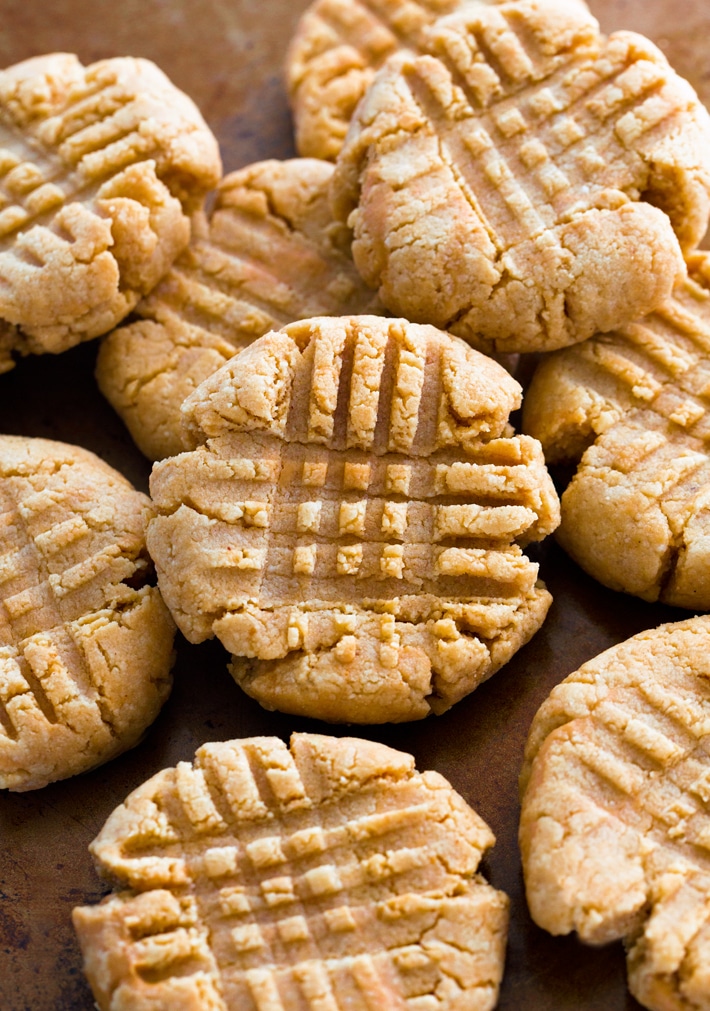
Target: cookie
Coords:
[(630, 410), (333, 55), (335, 51), (351, 519), (267, 254), (614, 827), (330, 875), (100, 167), (85, 640), (526, 182)]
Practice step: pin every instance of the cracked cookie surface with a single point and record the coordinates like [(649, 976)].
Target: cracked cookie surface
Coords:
[(85, 642), (614, 827), (335, 52), (331, 874), (100, 167), (268, 253), (336, 49), (351, 519), (629, 409), (525, 182)]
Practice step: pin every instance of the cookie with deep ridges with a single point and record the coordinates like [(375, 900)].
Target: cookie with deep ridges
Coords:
[(335, 51), (526, 181), (629, 409), (333, 55), (85, 640), (351, 519), (330, 874), (268, 253), (614, 828), (100, 168)]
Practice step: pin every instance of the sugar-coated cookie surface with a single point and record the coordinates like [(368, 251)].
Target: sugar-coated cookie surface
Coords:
[(525, 182), (630, 410), (351, 519), (100, 167), (85, 642), (614, 828), (268, 253), (330, 874)]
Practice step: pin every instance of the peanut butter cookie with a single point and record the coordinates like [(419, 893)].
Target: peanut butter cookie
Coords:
[(351, 519), (267, 254), (525, 182), (630, 410), (331, 875), (85, 641), (614, 828), (336, 49), (100, 167)]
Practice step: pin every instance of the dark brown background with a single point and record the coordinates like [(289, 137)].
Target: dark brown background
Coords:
[(227, 54)]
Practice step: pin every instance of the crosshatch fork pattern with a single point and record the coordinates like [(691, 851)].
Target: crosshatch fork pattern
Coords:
[(631, 407), (384, 497), (624, 743), (549, 132), (76, 145), (333, 55), (302, 880), (268, 253), (304, 512), (260, 261), (51, 556), (537, 148), (660, 363), (99, 167), (73, 537)]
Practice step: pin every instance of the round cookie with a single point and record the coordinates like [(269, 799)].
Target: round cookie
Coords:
[(85, 641), (614, 827), (268, 253), (526, 182), (100, 167), (351, 519), (330, 874), (629, 409)]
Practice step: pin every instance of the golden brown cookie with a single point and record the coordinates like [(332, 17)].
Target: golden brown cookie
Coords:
[(351, 519), (630, 409), (527, 181), (85, 642), (324, 877), (267, 254), (100, 167), (334, 53), (615, 824)]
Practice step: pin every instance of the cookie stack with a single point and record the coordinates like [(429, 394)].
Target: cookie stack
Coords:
[(319, 359)]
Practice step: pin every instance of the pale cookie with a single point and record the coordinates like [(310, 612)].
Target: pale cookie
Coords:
[(324, 877), (85, 642), (636, 515), (615, 822), (528, 182), (269, 253), (351, 519), (100, 167)]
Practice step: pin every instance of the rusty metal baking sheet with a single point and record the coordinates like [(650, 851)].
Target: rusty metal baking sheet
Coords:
[(228, 55)]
